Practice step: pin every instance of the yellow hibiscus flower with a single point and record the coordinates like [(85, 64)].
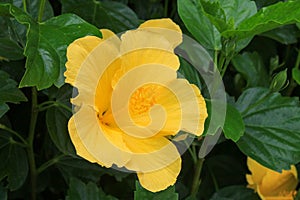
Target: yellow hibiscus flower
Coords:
[(272, 185), (130, 102)]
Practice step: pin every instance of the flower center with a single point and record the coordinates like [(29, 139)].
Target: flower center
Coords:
[(143, 99)]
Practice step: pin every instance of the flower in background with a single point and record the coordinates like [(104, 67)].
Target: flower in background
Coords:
[(272, 185), (130, 102)]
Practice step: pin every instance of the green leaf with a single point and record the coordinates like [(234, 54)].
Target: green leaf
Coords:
[(81, 191), (8, 92), (194, 18), (57, 123), (234, 125), (46, 45), (141, 193), (252, 68), (14, 164), (10, 50), (235, 192), (226, 15), (272, 134), (266, 19), (104, 14), (286, 34), (296, 75), (3, 109)]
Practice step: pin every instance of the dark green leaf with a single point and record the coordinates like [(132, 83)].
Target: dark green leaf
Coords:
[(45, 52), (236, 192), (32, 7), (141, 193), (234, 126), (8, 92), (298, 195), (3, 193), (252, 68), (57, 123), (296, 75), (272, 134), (104, 14), (198, 24), (14, 164), (3, 109), (286, 34), (81, 191), (10, 50), (266, 19)]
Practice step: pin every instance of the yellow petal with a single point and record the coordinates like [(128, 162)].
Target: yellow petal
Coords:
[(258, 171), (77, 52), (92, 136), (143, 39), (165, 27), (98, 68), (276, 184), (139, 57), (79, 147), (160, 179), (150, 154)]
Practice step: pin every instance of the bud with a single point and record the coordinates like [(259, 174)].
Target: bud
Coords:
[(279, 81)]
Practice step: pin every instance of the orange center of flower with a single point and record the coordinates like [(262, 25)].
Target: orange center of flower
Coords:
[(143, 99)]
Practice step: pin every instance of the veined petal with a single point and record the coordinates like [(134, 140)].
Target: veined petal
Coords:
[(258, 171), (165, 27), (139, 57), (80, 148), (161, 179), (92, 136), (97, 69), (77, 52), (150, 154), (278, 184)]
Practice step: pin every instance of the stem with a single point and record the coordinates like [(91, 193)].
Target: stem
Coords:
[(30, 139), (166, 8), (41, 10), (49, 163), (3, 127), (197, 180), (24, 5)]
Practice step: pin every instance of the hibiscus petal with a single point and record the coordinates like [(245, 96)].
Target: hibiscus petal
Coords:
[(165, 27), (93, 137), (258, 171), (276, 184), (150, 154), (80, 148), (161, 179)]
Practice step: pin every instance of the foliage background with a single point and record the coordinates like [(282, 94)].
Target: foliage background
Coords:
[(256, 53)]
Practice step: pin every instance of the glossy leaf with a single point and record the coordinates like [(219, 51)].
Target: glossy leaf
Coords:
[(226, 15), (234, 126), (266, 19), (3, 193), (141, 193), (198, 24), (8, 92), (46, 53), (272, 134), (236, 192), (78, 190), (104, 14), (252, 68)]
